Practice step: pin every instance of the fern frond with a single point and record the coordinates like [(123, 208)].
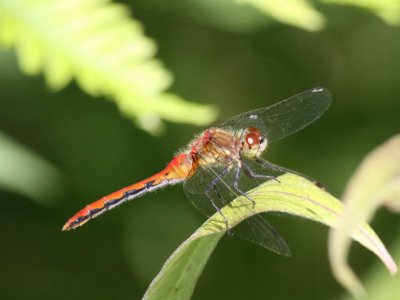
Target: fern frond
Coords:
[(301, 13), (387, 10), (99, 45), (298, 13)]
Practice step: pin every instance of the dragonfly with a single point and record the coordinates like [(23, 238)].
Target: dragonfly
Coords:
[(225, 162)]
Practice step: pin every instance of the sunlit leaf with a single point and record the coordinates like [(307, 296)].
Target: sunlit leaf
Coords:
[(388, 10), (289, 194), (24, 172), (378, 283), (98, 44), (299, 13), (376, 182)]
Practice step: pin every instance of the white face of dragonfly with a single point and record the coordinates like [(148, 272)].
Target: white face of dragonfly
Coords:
[(254, 143)]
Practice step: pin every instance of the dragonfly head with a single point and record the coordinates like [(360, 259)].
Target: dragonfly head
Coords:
[(254, 143)]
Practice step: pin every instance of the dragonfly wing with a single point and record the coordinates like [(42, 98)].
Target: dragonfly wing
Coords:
[(207, 188), (213, 186), (259, 231), (286, 117)]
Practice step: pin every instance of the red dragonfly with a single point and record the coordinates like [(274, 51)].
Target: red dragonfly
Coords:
[(224, 162)]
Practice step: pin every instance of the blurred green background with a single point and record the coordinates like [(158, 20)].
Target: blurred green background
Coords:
[(237, 59)]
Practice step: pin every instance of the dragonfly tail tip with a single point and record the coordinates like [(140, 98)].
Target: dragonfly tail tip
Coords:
[(66, 227)]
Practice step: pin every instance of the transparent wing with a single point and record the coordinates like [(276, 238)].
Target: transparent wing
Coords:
[(286, 117), (259, 231), (208, 188), (212, 187)]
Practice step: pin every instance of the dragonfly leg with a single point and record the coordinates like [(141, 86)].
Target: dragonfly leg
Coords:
[(250, 173), (266, 164), (236, 186), (213, 186), (207, 192)]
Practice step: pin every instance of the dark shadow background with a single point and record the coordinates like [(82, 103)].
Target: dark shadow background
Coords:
[(237, 68)]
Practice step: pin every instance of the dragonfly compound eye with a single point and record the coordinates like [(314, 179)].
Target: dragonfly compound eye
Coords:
[(252, 139)]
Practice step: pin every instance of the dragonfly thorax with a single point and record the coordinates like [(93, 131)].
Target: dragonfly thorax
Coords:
[(215, 145), (254, 143)]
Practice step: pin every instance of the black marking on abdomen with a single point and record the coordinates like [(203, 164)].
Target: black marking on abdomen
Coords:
[(93, 212), (126, 196), (111, 203), (131, 193), (149, 184), (79, 221)]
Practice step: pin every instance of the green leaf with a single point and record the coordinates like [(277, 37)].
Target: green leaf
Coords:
[(378, 283), (289, 194), (25, 172), (99, 45), (375, 183), (178, 277)]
